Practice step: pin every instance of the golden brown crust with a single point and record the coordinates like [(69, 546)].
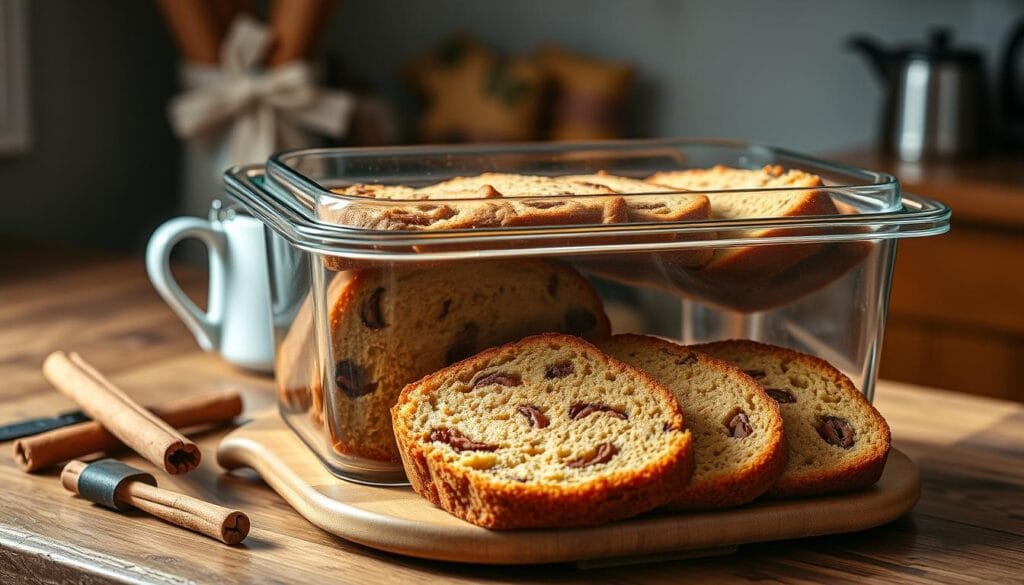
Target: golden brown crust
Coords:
[(854, 474), (298, 382), (507, 203), (369, 434), (655, 209), (739, 486), (492, 200), (487, 502), (724, 178), (744, 264), (659, 208)]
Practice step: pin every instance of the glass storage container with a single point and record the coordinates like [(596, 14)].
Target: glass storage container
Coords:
[(360, 311)]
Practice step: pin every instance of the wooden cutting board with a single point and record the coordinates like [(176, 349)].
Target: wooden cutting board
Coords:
[(395, 519)]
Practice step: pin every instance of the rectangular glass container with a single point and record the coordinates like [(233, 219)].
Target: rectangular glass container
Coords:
[(360, 312)]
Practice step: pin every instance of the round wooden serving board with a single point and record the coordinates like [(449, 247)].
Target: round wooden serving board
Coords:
[(397, 520)]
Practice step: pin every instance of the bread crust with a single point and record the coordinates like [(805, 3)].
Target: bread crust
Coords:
[(295, 374), (744, 264), (857, 473), (298, 378), (760, 473), (681, 208), (492, 200), (684, 207), (494, 504)]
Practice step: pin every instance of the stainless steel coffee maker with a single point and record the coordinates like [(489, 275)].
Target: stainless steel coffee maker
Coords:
[(936, 103)]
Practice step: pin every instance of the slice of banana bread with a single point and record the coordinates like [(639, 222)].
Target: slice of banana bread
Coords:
[(492, 200), (837, 440), (499, 199), (738, 440), (547, 431), (721, 177), (391, 327), (748, 263), (517, 191), (650, 208), (419, 214)]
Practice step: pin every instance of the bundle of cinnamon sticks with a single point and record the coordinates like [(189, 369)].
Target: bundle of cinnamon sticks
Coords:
[(117, 420), (199, 27)]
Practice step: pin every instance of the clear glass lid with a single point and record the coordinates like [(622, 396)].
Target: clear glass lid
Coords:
[(307, 196)]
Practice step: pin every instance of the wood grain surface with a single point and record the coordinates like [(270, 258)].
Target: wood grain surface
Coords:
[(967, 527), (397, 520), (956, 319)]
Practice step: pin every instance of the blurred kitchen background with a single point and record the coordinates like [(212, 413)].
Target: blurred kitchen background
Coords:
[(88, 158)]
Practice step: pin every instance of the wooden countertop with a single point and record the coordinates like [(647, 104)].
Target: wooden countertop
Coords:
[(967, 525), (984, 191)]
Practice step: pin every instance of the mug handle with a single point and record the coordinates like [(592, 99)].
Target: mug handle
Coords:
[(204, 326)]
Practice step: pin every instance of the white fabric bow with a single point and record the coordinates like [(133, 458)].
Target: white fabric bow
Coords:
[(263, 111)]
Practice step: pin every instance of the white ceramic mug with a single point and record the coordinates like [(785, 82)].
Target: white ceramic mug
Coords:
[(237, 321)]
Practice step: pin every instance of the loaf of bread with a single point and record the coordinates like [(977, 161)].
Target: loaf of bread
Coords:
[(745, 264), (837, 440), (738, 441), (391, 327), (547, 431)]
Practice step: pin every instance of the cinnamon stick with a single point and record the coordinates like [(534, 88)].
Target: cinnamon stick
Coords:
[(70, 442), (225, 12), (108, 405), (195, 28), (297, 26), (226, 525)]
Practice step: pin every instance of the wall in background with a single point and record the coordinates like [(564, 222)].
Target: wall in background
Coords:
[(102, 167), (773, 72)]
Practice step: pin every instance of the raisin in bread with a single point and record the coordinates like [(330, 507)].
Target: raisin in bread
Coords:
[(389, 328), (547, 431), (741, 265), (738, 441), (837, 440)]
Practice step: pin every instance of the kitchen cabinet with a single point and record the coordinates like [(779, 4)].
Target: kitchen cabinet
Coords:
[(956, 318)]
